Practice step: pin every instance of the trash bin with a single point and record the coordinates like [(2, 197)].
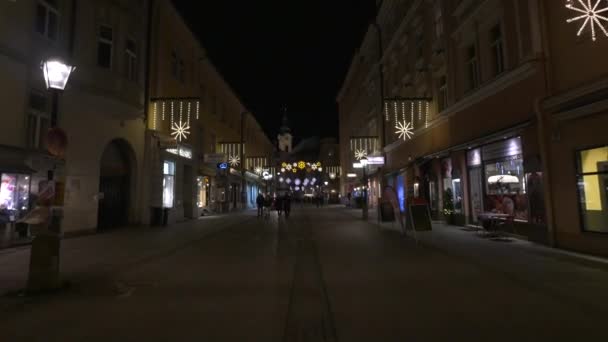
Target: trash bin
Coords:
[(165, 216), (157, 217)]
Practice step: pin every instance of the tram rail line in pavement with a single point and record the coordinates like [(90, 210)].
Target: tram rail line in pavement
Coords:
[(309, 314)]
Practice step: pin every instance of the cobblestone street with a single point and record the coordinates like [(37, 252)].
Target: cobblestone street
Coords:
[(322, 275)]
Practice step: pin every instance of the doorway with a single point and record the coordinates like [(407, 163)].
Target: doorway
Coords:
[(115, 186)]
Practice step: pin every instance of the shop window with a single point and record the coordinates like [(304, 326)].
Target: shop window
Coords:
[(14, 192), (593, 189), (506, 187), (457, 193), (105, 45), (47, 18), (168, 183)]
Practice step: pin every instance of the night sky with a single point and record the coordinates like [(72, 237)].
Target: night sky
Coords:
[(283, 53)]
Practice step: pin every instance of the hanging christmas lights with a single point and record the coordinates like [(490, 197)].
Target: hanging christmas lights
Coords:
[(591, 15)]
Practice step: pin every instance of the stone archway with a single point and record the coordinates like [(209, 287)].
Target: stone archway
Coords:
[(117, 167)]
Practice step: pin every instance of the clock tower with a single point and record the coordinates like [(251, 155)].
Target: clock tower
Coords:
[(285, 138)]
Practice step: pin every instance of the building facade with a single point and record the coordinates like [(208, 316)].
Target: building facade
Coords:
[(196, 122), (102, 109), (481, 106)]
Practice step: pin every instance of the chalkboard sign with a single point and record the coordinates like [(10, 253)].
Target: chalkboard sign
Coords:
[(420, 217), (386, 212)]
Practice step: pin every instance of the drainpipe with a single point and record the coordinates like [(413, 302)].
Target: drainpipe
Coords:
[(544, 127)]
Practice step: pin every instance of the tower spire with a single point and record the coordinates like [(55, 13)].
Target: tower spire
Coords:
[(285, 124)]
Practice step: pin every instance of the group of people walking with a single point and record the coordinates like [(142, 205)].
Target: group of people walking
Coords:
[(267, 203)]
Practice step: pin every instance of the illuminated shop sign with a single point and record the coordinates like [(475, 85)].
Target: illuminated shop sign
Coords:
[(181, 151)]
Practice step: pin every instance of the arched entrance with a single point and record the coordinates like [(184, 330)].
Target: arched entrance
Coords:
[(115, 184)]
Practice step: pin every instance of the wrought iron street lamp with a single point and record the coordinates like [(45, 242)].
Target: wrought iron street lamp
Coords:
[(45, 251)]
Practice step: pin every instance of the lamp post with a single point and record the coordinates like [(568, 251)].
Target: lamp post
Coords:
[(243, 163), (364, 162), (44, 255)]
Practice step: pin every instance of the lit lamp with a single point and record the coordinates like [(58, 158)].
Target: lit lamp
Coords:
[(56, 73), (45, 251)]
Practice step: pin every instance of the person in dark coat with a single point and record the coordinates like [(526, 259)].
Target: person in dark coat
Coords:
[(279, 204), (287, 205), (259, 201)]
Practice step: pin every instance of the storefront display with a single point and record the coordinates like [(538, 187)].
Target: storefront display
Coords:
[(168, 183), (202, 193), (593, 189), (504, 179), (14, 192)]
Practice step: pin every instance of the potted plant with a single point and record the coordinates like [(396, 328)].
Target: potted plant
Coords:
[(448, 205)]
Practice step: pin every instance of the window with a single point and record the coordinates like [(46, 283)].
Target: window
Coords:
[(443, 93), (438, 20), (182, 71), (174, 65), (496, 45), (47, 18), (105, 47), (168, 183), (131, 60), (472, 68), (38, 122), (419, 45), (593, 189)]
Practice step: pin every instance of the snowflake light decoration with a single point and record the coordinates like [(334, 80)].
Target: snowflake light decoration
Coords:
[(405, 130), (360, 153), (288, 167), (258, 170), (301, 165), (180, 131), (591, 15), (234, 160), (314, 167)]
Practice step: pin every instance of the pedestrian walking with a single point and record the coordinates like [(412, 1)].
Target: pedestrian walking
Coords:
[(287, 205), (279, 204), (259, 201), (267, 206)]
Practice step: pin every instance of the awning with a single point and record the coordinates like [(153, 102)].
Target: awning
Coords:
[(19, 168)]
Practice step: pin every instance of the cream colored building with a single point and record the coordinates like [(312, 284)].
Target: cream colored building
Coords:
[(102, 108), (186, 88), (505, 108)]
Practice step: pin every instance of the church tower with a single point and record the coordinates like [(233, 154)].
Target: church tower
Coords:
[(285, 138)]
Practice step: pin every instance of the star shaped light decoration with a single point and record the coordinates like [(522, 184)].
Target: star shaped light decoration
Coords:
[(591, 14), (234, 161), (180, 131), (405, 130), (360, 153)]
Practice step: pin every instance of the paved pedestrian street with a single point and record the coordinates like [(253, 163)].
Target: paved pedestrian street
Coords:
[(322, 275)]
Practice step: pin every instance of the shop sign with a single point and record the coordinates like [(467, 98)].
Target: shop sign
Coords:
[(375, 161), (214, 158), (474, 157), (503, 149), (181, 151), (351, 175), (222, 166)]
